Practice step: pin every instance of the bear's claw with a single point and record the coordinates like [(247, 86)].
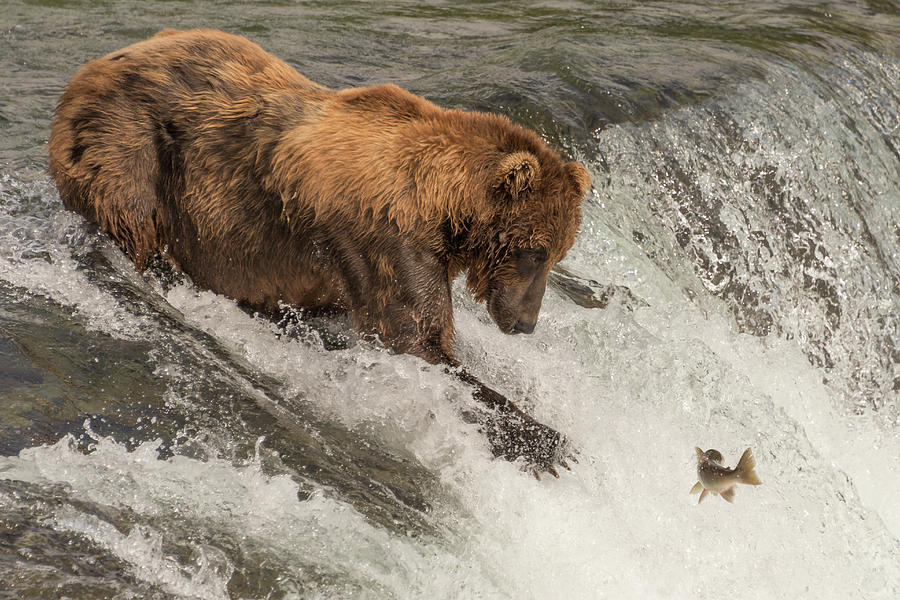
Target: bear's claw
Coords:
[(515, 435)]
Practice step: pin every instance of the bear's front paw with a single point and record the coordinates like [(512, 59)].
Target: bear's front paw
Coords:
[(516, 435)]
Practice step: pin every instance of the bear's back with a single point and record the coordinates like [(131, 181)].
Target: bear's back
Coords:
[(200, 59)]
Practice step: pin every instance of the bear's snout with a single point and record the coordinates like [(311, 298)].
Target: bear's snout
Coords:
[(524, 326), (514, 307)]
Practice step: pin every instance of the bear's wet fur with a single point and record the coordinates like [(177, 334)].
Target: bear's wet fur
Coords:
[(269, 188)]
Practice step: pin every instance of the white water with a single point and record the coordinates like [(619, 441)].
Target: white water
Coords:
[(634, 390), (620, 525)]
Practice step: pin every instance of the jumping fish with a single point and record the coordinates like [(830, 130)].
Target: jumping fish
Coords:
[(718, 479)]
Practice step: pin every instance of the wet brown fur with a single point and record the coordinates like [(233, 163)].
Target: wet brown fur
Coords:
[(269, 188)]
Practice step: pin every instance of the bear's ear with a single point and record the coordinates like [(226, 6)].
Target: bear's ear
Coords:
[(580, 176), (517, 174)]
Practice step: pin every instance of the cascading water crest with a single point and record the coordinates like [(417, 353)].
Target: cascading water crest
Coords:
[(783, 198)]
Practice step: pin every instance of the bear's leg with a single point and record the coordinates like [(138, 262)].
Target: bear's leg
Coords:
[(513, 434), (131, 221), (413, 313), (119, 193)]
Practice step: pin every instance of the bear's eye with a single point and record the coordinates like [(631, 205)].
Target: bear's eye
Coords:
[(528, 260)]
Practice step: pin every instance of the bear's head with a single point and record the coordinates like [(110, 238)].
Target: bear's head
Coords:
[(529, 222)]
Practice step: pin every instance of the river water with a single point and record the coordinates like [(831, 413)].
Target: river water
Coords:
[(736, 284)]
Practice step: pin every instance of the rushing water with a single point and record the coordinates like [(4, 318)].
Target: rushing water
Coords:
[(736, 283)]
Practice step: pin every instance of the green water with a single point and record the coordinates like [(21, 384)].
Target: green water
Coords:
[(566, 68)]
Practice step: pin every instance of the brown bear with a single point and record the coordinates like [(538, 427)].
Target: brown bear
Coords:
[(200, 147)]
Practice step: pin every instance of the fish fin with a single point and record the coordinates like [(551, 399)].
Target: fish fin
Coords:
[(745, 469), (697, 487), (702, 496), (700, 455), (728, 494)]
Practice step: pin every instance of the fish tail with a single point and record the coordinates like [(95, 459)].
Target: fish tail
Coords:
[(745, 469)]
